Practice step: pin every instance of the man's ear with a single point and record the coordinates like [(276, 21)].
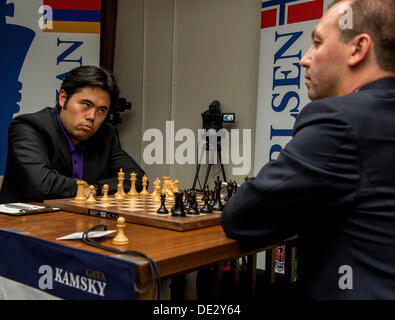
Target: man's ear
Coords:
[(62, 98), (360, 46)]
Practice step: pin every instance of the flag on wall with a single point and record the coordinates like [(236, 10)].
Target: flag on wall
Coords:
[(279, 12), (75, 16)]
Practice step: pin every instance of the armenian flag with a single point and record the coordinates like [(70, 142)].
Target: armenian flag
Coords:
[(75, 16)]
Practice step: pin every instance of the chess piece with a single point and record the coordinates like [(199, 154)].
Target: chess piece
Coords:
[(144, 192), (229, 190), (156, 194), (206, 192), (121, 178), (234, 187), (117, 195), (156, 197), (175, 186), (206, 206), (170, 192), (212, 198), (217, 206), (165, 184), (178, 209), (80, 197), (132, 192), (162, 209), (206, 187), (120, 239), (193, 210), (186, 197), (91, 198), (187, 202), (105, 197)]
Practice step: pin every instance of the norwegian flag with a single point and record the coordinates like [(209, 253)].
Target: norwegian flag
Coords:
[(276, 12)]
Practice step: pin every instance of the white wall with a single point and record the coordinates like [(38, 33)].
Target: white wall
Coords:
[(173, 58)]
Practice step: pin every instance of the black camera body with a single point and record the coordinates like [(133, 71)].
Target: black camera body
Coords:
[(213, 118), (113, 115)]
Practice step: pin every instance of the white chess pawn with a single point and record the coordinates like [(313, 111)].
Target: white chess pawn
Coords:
[(118, 195), (120, 238), (91, 198), (105, 198)]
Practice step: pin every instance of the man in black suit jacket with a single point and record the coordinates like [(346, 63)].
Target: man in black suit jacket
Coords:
[(48, 151), (334, 183)]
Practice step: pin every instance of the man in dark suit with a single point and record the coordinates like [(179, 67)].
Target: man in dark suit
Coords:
[(334, 183), (48, 151)]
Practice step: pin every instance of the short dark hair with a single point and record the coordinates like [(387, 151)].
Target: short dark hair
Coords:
[(90, 77), (377, 19)]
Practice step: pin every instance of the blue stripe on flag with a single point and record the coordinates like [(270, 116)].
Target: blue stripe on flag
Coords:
[(76, 15)]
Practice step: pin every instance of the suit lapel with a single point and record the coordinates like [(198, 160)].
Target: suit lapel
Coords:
[(58, 136)]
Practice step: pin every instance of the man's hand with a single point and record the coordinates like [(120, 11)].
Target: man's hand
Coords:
[(86, 189)]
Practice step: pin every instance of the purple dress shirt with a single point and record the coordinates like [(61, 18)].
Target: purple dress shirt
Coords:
[(76, 153)]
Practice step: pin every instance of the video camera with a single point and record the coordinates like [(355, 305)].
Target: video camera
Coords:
[(113, 115), (213, 118)]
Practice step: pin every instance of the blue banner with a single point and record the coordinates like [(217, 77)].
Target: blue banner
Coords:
[(65, 272)]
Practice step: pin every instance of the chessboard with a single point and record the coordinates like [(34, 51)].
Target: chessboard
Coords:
[(141, 209)]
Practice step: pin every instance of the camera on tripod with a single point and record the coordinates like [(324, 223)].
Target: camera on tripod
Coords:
[(213, 118), (113, 115)]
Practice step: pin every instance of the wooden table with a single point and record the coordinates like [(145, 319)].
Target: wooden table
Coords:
[(174, 252)]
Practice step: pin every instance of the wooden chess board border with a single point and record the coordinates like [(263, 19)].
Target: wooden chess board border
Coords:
[(140, 216)]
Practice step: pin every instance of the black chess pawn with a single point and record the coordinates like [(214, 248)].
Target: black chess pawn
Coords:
[(193, 210), (217, 206), (205, 188), (178, 209), (229, 190), (162, 209), (187, 202), (234, 187), (212, 198), (185, 197), (206, 206)]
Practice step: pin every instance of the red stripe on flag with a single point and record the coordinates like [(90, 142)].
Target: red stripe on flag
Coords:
[(311, 10), (269, 18), (74, 4)]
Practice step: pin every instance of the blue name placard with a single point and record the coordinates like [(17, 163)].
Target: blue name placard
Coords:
[(65, 272)]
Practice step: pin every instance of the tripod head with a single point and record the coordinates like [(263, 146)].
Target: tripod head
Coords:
[(213, 118)]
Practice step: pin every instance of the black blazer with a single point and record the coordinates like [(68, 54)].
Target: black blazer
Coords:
[(39, 162), (334, 186)]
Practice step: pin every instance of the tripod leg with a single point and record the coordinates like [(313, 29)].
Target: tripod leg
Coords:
[(207, 173), (196, 177), (222, 166), (202, 154)]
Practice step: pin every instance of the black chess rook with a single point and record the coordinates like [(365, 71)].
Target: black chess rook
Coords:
[(178, 209), (193, 210)]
